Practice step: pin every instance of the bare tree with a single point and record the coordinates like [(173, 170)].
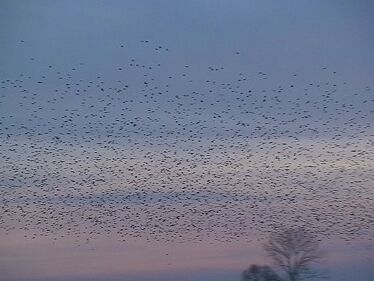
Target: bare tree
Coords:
[(295, 251), (259, 273)]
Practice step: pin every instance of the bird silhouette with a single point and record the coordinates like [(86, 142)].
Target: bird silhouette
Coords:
[(161, 152)]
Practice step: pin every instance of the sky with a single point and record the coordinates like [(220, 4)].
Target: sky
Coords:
[(165, 140)]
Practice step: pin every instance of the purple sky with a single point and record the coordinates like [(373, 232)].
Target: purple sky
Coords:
[(164, 140)]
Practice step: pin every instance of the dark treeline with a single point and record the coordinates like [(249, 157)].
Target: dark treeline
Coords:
[(295, 254)]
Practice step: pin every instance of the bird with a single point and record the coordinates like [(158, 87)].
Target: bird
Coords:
[(163, 153)]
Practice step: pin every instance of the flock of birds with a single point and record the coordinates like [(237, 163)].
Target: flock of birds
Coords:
[(154, 150)]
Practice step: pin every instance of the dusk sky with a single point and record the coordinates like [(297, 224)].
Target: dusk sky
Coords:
[(165, 140)]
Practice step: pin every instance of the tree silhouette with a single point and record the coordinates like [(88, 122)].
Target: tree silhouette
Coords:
[(295, 251), (259, 273)]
